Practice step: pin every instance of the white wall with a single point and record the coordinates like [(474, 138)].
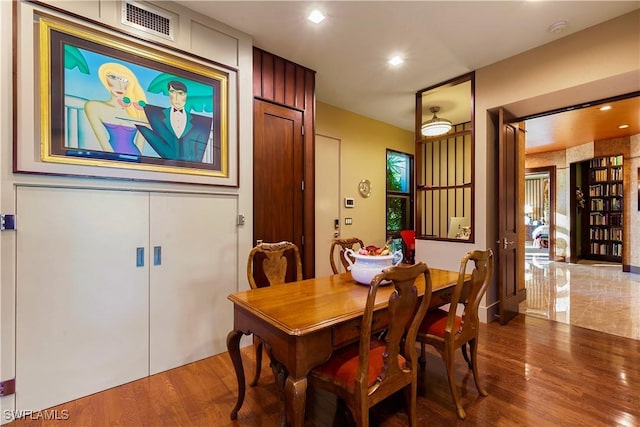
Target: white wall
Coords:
[(7, 291), (596, 63), (196, 34)]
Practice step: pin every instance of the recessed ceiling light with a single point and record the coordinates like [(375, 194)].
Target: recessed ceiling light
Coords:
[(396, 60), (623, 126), (316, 17), (605, 108)]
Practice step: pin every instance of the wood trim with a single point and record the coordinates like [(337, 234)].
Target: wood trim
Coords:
[(283, 82)]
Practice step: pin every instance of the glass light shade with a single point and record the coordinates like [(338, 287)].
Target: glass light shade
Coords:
[(435, 126)]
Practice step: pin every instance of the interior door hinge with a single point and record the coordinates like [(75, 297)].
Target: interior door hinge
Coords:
[(302, 130), (7, 387), (302, 240), (7, 222), (302, 186)]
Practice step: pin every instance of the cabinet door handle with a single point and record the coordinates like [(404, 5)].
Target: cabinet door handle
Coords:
[(157, 255), (139, 257)]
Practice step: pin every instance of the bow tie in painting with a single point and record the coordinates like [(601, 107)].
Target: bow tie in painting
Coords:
[(175, 110)]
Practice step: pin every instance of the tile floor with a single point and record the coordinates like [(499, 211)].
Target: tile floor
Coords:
[(597, 296)]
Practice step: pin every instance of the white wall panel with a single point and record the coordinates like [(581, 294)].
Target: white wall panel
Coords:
[(190, 314), (82, 304)]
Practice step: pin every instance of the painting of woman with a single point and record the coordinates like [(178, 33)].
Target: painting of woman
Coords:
[(113, 121)]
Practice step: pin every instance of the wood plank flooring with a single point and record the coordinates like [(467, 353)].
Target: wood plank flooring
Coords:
[(537, 373)]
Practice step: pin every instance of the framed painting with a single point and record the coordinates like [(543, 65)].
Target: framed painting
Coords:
[(111, 107)]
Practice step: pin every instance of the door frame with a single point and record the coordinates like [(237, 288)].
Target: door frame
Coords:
[(303, 227), (551, 171), (510, 211)]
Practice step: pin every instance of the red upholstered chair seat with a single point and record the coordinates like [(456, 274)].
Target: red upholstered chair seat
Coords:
[(342, 366), (435, 322), (369, 370), (447, 331)]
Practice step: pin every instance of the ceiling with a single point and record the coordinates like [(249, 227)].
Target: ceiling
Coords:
[(578, 126), (350, 48)]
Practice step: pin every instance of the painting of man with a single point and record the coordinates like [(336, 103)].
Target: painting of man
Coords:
[(175, 133)]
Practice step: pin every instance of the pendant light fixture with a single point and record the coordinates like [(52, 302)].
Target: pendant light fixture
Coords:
[(436, 126)]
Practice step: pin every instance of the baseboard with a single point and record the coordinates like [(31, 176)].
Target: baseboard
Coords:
[(631, 269), (489, 313)]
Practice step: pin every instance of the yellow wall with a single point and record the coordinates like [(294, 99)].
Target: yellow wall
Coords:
[(363, 145)]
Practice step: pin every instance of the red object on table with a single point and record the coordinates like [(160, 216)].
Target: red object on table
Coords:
[(409, 239)]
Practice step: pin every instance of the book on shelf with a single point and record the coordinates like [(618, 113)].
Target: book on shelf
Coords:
[(616, 233), (604, 229), (615, 160), (616, 174), (597, 218)]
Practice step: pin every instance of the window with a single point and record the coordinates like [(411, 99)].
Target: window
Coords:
[(399, 192)]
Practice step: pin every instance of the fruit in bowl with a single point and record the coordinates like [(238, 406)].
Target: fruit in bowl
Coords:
[(372, 250), (367, 265)]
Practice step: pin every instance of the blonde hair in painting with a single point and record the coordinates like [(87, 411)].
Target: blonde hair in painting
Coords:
[(133, 91)]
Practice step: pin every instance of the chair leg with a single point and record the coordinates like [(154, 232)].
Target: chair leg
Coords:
[(466, 356), (344, 415), (361, 414), (422, 360), (473, 345), (410, 393), (279, 373), (449, 361), (257, 342)]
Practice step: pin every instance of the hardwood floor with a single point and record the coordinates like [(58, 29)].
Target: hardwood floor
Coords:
[(537, 373)]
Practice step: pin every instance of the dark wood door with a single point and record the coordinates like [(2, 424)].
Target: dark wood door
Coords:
[(510, 257), (278, 166)]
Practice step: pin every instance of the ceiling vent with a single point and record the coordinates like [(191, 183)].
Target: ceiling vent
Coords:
[(147, 19)]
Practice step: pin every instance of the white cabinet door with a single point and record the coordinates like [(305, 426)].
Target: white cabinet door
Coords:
[(81, 302), (197, 240)]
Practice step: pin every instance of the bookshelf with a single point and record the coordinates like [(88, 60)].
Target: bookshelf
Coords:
[(604, 203)]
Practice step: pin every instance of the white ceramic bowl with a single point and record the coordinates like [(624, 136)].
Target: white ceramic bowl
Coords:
[(365, 267)]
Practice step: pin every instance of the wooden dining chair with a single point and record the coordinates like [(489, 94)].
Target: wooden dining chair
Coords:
[(446, 330), (366, 372), (343, 244), (271, 264)]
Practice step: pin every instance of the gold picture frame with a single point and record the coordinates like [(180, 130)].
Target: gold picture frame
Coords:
[(113, 107)]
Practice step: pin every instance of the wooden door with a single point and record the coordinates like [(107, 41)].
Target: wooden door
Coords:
[(82, 319), (278, 167), (192, 271), (510, 260), (327, 201)]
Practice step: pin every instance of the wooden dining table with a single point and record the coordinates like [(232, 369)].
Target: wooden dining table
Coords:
[(302, 323)]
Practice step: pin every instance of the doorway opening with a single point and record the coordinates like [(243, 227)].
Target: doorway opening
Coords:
[(539, 213)]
